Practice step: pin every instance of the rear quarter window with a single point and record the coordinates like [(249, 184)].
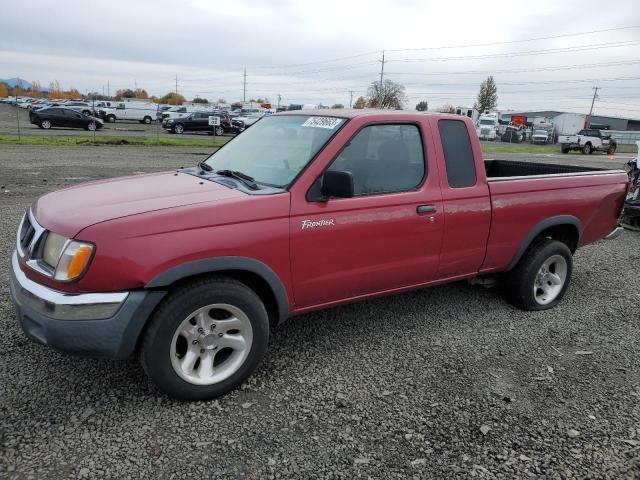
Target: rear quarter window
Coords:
[(458, 154)]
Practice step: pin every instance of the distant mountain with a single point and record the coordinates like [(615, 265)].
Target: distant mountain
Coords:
[(14, 82)]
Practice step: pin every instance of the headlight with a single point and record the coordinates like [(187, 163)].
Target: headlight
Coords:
[(69, 258)]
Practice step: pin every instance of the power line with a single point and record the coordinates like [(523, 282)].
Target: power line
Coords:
[(596, 46), (565, 35), (525, 70)]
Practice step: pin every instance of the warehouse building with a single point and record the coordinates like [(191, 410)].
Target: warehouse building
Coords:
[(597, 121)]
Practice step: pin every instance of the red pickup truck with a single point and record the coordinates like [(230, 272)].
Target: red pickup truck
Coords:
[(303, 211)]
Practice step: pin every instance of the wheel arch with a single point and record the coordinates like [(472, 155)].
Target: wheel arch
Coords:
[(564, 228), (253, 273)]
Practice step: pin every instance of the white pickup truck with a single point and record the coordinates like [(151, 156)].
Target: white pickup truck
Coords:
[(588, 141)]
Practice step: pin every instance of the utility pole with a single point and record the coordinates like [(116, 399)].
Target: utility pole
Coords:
[(135, 82), (244, 85), (279, 98), (595, 95), (350, 98), (176, 84), (381, 78), (108, 90)]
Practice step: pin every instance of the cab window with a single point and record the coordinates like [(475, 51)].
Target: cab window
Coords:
[(384, 159)]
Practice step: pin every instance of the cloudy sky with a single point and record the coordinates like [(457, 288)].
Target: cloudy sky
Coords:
[(542, 54)]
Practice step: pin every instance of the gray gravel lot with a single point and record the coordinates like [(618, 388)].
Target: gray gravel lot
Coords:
[(449, 382)]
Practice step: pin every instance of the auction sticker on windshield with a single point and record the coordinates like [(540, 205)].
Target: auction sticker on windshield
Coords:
[(322, 122)]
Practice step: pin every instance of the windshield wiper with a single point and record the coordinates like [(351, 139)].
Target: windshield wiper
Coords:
[(243, 177), (203, 165)]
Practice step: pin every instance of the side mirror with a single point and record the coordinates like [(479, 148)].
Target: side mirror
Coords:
[(337, 184)]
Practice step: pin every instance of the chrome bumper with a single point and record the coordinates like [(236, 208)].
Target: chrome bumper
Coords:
[(62, 305), (615, 233)]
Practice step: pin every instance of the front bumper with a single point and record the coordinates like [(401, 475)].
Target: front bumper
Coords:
[(615, 233), (96, 324)]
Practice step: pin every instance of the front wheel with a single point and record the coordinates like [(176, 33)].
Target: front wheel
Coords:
[(146, 120), (586, 150), (564, 150), (111, 118), (178, 128), (46, 124), (91, 126), (541, 277), (205, 339), (611, 150), (219, 131)]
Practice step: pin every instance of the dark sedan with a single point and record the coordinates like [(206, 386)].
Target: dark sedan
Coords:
[(63, 117), (199, 122)]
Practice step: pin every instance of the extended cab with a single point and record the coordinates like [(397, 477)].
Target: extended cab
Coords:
[(190, 268), (588, 141)]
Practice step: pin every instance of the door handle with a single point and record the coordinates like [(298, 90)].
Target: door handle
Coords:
[(424, 209)]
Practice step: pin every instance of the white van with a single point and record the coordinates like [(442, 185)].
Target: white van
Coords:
[(143, 112)]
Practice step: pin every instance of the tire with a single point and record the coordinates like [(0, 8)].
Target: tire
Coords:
[(219, 131), (586, 150), (146, 120), (521, 282), (86, 112), (46, 124), (91, 126), (612, 149), (168, 355), (564, 150), (178, 128), (111, 118)]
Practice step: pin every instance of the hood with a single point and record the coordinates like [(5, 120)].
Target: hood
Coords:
[(72, 209)]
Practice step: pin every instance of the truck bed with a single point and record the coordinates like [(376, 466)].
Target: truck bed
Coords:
[(501, 169)]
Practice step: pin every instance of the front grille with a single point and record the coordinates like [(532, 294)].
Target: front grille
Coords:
[(30, 235)]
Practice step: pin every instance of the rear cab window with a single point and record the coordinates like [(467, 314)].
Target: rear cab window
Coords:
[(458, 154)]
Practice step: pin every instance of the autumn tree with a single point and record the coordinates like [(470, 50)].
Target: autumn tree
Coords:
[(125, 93), (140, 93), (446, 108), (173, 98), (200, 100), (55, 90), (487, 96), (73, 93), (389, 95), (337, 105), (422, 106), (4, 90), (35, 91), (360, 103)]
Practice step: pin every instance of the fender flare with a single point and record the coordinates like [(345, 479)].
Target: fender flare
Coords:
[(218, 264), (542, 226)]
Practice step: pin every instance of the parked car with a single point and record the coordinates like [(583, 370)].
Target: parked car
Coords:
[(178, 111), (83, 107), (63, 117), (540, 136), (587, 141), (189, 269), (199, 121), (249, 119)]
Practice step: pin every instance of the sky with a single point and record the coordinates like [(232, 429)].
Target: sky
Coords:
[(543, 54)]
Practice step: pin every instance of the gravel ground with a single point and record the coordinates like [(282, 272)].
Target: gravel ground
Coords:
[(449, 382)]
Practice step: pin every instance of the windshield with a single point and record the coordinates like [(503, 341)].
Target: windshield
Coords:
[(276, 148), (540, 132), (487, 122)]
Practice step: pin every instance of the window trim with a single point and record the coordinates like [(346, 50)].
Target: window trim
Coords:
[(444, 153), (425, 161)]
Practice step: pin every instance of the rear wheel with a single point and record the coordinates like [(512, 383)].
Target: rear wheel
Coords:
[(111, 118), (46, 124), (564, 150), (219, 131), (205, 339), (146, 120), (586, 150), (611, 150), (541, 277)]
